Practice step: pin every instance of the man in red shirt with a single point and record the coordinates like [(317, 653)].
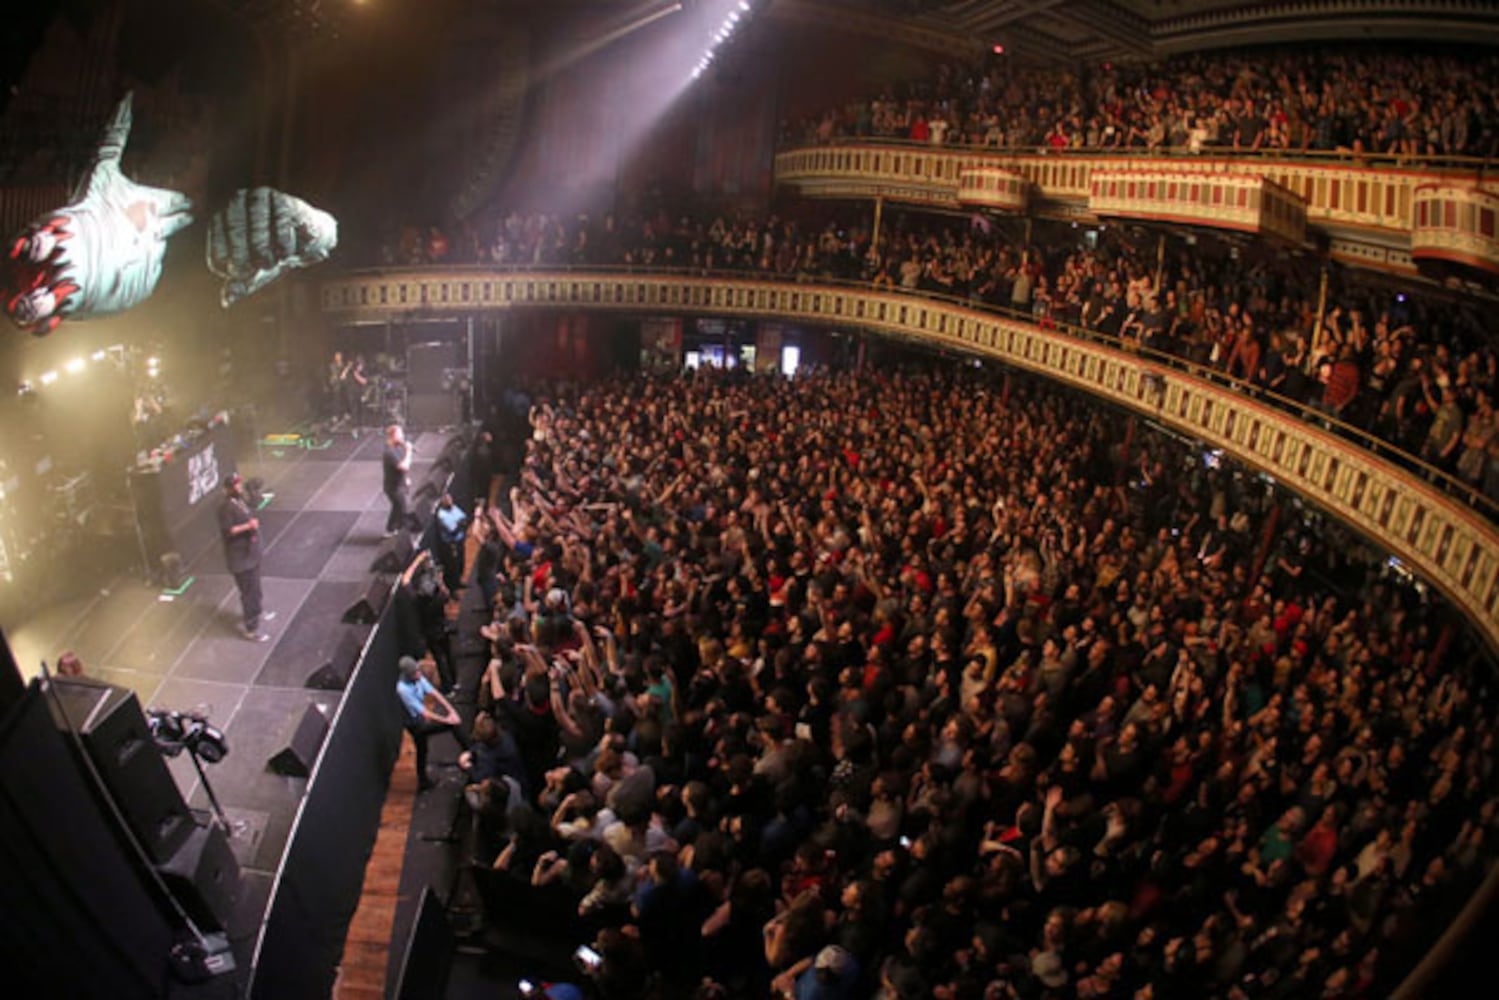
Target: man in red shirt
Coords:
[(1342, 383), (1316, 850)]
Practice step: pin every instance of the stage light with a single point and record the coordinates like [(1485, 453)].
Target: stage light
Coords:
[(744, 6), (74, 367), (48, 378), (153, 362), (98, 356), (999, 50)]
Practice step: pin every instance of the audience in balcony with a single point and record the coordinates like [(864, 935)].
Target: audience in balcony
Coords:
[(928, 684), (1380, 360), (1290, 100)]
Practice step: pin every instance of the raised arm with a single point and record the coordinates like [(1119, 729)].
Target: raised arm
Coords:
[(559, 709), (414, 565)]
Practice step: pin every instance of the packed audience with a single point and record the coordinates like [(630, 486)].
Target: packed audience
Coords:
[(1282, 99), (1418, 372), (919, 684)]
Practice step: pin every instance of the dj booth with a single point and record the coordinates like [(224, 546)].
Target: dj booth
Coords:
[(176, 490)]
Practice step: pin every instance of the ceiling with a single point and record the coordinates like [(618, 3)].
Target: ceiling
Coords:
[(1070, 30)]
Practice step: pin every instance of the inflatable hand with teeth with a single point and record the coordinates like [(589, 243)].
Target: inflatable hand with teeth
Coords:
[(260, 235), (102, 253)]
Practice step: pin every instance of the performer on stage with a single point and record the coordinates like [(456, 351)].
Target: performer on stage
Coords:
[(355, 382), (346, 384), (397, 463), (240, 530), (337, 399)]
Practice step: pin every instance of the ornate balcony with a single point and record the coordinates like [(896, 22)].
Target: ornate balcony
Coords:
[(1243, 202), (1449, 543), (1367, 205), (1456, 223)]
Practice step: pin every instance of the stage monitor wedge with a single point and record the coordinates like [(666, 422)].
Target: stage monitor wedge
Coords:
[(394, 555), (366, 610), (334, 674), (295, 760)]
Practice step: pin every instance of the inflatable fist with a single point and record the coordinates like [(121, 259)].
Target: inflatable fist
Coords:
[(102, 253), (260, 235)]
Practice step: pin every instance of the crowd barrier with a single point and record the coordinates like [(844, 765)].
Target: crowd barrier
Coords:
[(321, 876)]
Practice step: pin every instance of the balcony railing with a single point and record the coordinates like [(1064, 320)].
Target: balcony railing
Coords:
[(1437, 525), (1372, 196)]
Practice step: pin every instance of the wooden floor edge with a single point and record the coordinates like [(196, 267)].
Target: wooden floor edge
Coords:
[(362, 972)]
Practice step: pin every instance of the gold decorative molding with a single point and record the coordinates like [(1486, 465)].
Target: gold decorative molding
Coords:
[(1242, 202), (1458, 224), (993, 187), (1449, 544), (1374, 201), (1372, 255)]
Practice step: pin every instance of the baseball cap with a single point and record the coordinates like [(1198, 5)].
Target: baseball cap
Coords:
[(409, 666), (1047, 967)]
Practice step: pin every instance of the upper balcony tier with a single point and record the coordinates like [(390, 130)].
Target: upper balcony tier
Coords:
[(1389, 213)]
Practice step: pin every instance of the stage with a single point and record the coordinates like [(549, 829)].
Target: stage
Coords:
[(321, 527)]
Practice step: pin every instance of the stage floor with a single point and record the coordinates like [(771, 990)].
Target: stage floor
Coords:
[(183, 651)]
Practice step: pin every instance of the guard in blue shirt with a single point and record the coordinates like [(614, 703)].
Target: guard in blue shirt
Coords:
[(427, 712), (452, 529)]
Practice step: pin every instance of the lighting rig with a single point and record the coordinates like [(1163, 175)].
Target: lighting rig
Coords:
[(737, 15)]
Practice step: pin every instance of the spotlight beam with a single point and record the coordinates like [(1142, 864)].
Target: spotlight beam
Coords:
[(608, 38)]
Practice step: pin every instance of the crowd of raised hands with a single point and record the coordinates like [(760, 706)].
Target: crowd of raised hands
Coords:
[(932, 684)]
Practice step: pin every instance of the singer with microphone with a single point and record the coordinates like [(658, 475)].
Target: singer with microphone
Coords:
[(240, 530), (397, 463)]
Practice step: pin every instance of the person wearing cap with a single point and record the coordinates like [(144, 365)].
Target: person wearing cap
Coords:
[(240, 530), (832, 975), (418, 697)]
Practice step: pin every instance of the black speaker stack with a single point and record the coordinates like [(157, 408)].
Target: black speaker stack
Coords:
[(193, 858), (430, 370)]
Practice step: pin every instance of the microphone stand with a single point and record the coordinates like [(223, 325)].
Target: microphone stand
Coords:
[(232, 829)]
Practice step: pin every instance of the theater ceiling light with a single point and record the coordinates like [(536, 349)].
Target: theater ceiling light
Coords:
[(720, 33)]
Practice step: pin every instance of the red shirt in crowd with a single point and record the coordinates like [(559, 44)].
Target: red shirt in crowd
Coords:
[(1342, 385)]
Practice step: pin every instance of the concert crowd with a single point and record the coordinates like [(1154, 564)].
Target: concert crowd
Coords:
[(1415, 370), (920, 683), (1273, 100)]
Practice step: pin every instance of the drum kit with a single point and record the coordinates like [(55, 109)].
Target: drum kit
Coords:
[(379, 400), (385, 399)]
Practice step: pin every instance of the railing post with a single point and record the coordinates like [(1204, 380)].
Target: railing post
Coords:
[(1311, 353), (879, 212)]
